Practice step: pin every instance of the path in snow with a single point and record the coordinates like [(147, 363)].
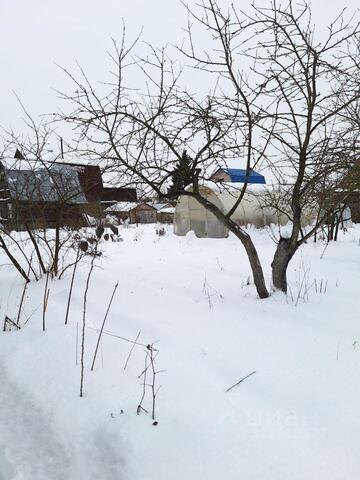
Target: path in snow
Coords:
[(29, 449)]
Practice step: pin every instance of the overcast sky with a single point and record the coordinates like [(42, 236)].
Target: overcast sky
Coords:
[(36, 34)]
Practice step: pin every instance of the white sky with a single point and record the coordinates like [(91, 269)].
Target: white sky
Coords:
[(36, 34)]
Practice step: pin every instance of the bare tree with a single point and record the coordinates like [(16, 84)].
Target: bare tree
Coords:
[(278, 99), (300, 86), (146, 136)]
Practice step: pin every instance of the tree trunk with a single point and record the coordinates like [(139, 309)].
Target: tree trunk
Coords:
[(279, 265), (255, 264), (37, 250), (14, 261)]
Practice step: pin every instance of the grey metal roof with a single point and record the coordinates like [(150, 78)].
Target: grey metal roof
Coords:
[(56, 184)]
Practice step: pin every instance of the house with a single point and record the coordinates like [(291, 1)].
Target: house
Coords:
[(40, 181), (237, 175), (40, 196), (133, 212)]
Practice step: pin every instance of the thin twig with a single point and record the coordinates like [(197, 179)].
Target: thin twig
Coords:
[(71, 286), (82, 358), (240, 381), (131, 350), (23, 294), (45, 301), (105, 332), (140, 407), (102, 326), (8, 320)]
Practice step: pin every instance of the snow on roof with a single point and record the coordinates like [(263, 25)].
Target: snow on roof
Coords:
[(160, 206), (168, 210), (34, 163), (121, 207), (20, 164)]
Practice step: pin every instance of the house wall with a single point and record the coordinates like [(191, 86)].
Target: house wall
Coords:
[(353, 203), (45, 215), (221, 176), (165, 217), (121, 216), (4, 198), (115, 195), (143, 214)]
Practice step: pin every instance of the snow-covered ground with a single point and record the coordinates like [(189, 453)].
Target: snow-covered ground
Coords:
[(296, 418)]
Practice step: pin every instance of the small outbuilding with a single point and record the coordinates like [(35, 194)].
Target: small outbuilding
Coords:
[(165, 212), (133, 212)]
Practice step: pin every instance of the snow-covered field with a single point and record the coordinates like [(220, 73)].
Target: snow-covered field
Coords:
[(296, 418)]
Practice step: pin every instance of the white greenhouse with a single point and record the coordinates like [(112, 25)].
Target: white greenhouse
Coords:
[(191, 215)]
